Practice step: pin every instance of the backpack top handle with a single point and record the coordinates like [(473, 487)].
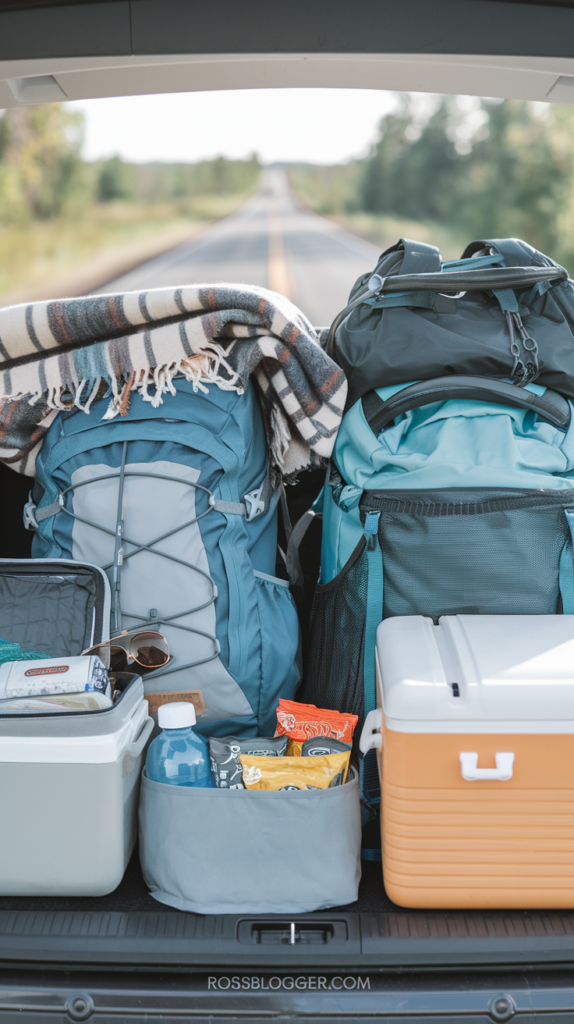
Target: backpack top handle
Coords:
[(551, 407), (482, 280), (490, 279)]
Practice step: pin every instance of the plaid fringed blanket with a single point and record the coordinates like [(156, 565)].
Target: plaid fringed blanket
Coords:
[(65, 354)]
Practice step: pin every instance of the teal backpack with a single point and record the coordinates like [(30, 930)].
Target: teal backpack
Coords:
[(460, 505), (451, 488)]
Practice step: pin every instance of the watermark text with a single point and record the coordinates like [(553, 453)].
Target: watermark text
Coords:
[(288, 983)]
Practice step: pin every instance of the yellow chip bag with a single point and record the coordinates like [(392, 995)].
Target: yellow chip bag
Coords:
[(294, 772)]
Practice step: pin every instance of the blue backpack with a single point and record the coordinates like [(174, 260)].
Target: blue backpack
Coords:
[(176, 504)]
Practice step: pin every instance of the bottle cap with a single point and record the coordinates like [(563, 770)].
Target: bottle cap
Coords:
[(179, 714)]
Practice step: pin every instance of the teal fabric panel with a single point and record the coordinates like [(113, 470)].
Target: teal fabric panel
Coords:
[(341, 531), (456, 443), (279, 638), (566, 576)]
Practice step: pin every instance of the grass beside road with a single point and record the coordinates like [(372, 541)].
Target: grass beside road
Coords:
[(328, 191), (385, 231), (69, 255)]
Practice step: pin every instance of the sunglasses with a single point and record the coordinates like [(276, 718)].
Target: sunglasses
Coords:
[(147, 648)]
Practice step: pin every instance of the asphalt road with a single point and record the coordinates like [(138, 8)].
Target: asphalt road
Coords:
[(271, 242)]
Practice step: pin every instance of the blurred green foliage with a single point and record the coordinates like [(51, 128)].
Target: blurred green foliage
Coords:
[(59, 213), (42, 174), (115, 180), (477, 168), (160, 183)]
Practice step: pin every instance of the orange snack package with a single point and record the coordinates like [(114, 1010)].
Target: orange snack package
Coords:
[(305, 721)]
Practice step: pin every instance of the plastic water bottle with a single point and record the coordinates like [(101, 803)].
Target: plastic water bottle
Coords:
[(178, 756)]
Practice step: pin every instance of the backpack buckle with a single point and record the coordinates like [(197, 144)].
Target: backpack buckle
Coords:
[(29, 515), (254, 503)]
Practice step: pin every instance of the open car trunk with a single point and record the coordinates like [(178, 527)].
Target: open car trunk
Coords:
[(124, 956)]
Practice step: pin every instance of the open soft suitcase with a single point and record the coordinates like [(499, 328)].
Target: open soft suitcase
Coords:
[(69, 782), (477, 765)]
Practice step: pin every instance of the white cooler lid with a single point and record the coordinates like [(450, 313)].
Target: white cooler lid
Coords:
[(92, 737), (513, 673)]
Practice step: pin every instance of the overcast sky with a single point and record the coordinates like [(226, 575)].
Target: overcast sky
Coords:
[(319, 125)]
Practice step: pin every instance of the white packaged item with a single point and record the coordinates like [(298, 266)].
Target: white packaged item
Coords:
[(62, 702), (47, 676)]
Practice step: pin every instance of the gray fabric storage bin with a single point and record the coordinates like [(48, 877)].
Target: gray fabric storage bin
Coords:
[(235, 851)]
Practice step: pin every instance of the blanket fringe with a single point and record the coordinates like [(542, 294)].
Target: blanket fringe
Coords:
[(206, 367), (125, 402), (280, 435)]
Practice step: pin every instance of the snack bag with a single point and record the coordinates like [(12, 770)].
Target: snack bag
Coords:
[(311, 721), (294, 773), (226, 770), (319, 746), (322, 746)]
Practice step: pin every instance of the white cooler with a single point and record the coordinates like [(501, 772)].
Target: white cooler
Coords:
[(69, 786)]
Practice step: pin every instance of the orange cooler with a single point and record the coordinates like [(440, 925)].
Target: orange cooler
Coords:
[(477, 765)]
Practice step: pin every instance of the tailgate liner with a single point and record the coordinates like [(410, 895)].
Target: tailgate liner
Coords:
[(129, 927)]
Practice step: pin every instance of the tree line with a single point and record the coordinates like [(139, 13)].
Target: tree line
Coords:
[(485, 169), (43, 176)]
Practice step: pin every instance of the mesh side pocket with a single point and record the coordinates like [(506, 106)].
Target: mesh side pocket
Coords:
[(486, 552), (334, 670)]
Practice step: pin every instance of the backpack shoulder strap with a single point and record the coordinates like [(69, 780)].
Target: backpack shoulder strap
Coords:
[(516, 252), (420, 258), (417, 258)]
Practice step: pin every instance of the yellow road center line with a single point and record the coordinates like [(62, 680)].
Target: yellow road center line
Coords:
[(278, 277)]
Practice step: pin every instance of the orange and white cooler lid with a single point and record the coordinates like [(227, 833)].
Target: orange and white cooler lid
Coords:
[(477, 673)]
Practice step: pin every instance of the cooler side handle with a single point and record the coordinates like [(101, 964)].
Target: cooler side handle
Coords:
[(470, 771), (371, 737), (133, 750)]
